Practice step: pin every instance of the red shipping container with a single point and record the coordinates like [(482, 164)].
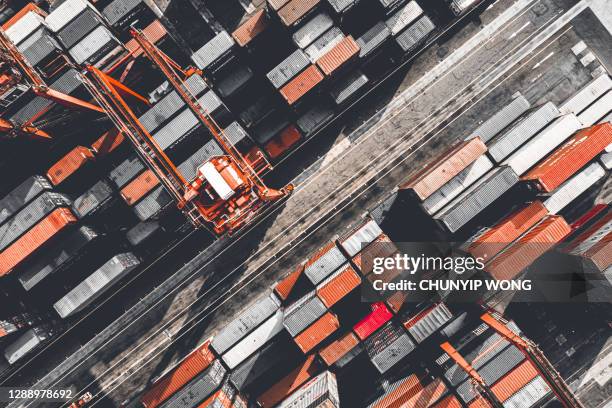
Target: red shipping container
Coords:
[(381, 247), (600, 254), (573, 244), (449, 402), (516, 379), (36, 237), (293, 11), (301, 84), (139, 187), (589, 215), (573, 155), (339, 55), (440, 171), (529, 248), (69, 164), (283, 142), (283, 288), (337, 349), (251, 28), (401, 394), (373, 321), (288, 384), (108, 142), (317, 332), (507, 231), (192, 365), (337, 286)]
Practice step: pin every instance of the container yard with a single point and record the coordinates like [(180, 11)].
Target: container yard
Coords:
[(207, 203)]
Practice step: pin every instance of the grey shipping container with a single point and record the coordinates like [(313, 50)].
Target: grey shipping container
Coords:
[(476, 198), (359, 238), (152, 204), (348, 87), (269, 127), (93, 46), (324, 265), (22, 195), (198, 389), (235, 133), (246, 322), (254, 113), (126, 171), (459, 7), (142, 231), (235, 81), (119, 11), (321, 391), (404, 17), (189, 167), (529, 395), (342, 6), (504, 117), (30, 215), (56, 257), (312, 30), (524, 129), (35, 36), (93, 199), (96, 284), (415, 34), (312, 120), (373, 38), (423, 326), (41, 49), (85, 23), (214, 50), (25, 344), (324, 43), (388, 346), (288, 68), (302, 313)]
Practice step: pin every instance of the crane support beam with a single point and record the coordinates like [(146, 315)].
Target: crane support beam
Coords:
[(124, 90), (67, 100), (7, 127)]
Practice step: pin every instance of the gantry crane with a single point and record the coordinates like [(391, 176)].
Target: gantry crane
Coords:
[(227, 191)]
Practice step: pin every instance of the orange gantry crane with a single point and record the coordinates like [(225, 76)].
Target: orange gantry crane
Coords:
[(228, 190)]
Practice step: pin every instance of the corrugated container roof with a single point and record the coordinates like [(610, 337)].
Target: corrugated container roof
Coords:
[(338, 285), (22, 195), (441, 170), (545, 235), (251, 28), (597, 110), (42, 232), (415, 34), (24, 26), (606, 160), (92, 45), (379, 315), (522, 130), (399, 392), (585, 240), (449, 402), (212, 51), (289, 383), (119, 10), (506, 231), (323, 263), (321, 391), (288, 68), (283, 142), (317, 332), (373, 38), (478, 355), (324, 43), (340, 6), (155, 31), (65, 13), (348, 86), (189, 167), (311, 30), (572, 188), (142, 231), (405, 16), (295, 10), (91, 200), (392, 352), (431, 393), (587, 95), (235, 81), (126, 171), (245, 323), (337, 349), (428, 322), (360, 237), (277, 4), (314, 118), (500, 120), (302, 313), (600, 254), (79, 27), (41, 49), (570, 157), (185, 371), (284, 286), (381, 247), (199, 389), (269, 127), (139, 187), (340, 54), (516, 379), (27, 342), (529, 395), (152, 204), (69, 164)]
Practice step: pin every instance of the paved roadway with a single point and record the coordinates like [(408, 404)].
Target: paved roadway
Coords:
[(128, 361)]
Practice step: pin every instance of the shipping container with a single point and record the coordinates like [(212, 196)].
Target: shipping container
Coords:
[(325, 261), (442, 169), (414, 35), (606, 160), (428, 322), (449, 402), (192, 365), (381, 247), (200, 388), (516, 379), (522, 130), (277, 4), (339, 348), (93, 200), (288, 68), (504, 117), (476, 198), (302, 313), (119, 13), (25, 344), (69, 164), (225, 397), (404, 17), (126, 171), (342, 6), (82, 25), (24, 27), (314, 118), (96, 284), (312, 30), (321, 391), (42, 50), (593, 234), (388, 346), (152, 204), (572, 188), (531, 246), (288, 384), (233, 82), (598, 110), (155, 32), (65, 13), (57, 257), (37, 236), (341, 54), (320, 330), (296, 10), (324, 43), (586, 95), (348, 87), (398, 392), (142, 232), (360, 237), (570, 157), (251, 28), (529, 395), (373, 321), (22, 195), (285, 286), (189, 167), (213, 51), (372, 39), (283, 142), (139, 187), (269, 127), (93, 46), (427, 396)]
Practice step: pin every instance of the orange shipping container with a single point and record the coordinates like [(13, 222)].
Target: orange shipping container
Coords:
[(37, 236), (600, 254), (218, 399), (251, 28), (479, 402), (573, 155), (69, 164), (449, 402), (339, 55), (192, 365), (505, 232), (401, 394), (293, 11), (397, 300), (381, 247), (529, 248), (441, 170), (108, 142), (277, 4), (283, 142), (301, 84), (155, 32), (338, 285), (283, 288), (516, 379), (139, 187), (317, 332), (431, 393), (289, 383), (337, 349)]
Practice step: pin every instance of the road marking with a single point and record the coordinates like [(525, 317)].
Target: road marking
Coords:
[(521, 28), (543, 60)]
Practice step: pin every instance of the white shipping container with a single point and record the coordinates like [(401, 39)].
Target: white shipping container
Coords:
[(254, 341), (321, 391), (27, 342), (606, 160), (587, 95), (543, 143), (421, 327), (457, 185), (24, 27), (91, 44), (407, 15), (501, 119), (324, 43), (460, 6), (572, 188), (66, 12), (361, 237), (529, 395), (312, 30), (600, 108)]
